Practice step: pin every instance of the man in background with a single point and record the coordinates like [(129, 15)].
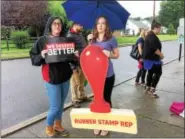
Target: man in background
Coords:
[(78, 78)]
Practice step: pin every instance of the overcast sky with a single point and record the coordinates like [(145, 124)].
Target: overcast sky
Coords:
[(140, 8)]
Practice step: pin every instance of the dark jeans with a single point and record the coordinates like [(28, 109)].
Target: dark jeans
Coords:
[(154, 75), (109, 83), (141, 73)]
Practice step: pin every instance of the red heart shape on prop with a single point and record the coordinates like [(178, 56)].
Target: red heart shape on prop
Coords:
[(95, 65)]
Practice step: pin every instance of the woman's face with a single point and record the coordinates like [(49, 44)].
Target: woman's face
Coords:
[(146, 32), (56, 27), (101, 25)]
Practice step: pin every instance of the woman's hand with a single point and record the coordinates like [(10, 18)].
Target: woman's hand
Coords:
[(76, 53), (161, 56), (43, 53), (90, 37), (107, 53)]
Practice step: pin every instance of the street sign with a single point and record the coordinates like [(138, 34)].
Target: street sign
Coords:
[(181, 39), (180, 30)]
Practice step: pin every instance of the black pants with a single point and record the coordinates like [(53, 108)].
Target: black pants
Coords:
[(109, 83), (141, 73), (154, 75)]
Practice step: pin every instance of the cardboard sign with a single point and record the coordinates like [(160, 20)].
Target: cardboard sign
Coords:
[(59, 50), (119, 120)]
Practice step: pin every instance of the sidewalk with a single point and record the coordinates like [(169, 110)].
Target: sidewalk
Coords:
[(154, 119)]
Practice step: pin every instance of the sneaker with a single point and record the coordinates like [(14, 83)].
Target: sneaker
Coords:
[(152, 93), (137, 83), (143, 84), (63, 133), (86, 99), (76, 104), (147, 88)]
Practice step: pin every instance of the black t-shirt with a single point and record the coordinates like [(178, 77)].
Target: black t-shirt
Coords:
[(151, 44)]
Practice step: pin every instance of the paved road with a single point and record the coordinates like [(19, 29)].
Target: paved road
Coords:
[(23, 92)]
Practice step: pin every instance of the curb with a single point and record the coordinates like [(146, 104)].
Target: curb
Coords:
[(42, 116), (129, 44), (119, 45), (7, 59), (31, 121), (135, 76)]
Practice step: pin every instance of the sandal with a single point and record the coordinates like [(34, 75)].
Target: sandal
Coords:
[(97, 132), (104, 133), (137, 83), (154, 95)]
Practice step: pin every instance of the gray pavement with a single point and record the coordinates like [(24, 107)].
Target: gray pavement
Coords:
[(153, 115), (23, 92)]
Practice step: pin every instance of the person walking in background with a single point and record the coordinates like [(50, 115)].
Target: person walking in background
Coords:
[(153, 55), (142, 72), (102, 37), (78, 78), (56, 77)]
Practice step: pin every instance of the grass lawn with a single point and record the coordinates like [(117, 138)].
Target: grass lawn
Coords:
[(19, 53), (14, 52), (132, 40)]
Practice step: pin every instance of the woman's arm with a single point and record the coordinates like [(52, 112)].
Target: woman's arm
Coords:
[(114, 54), (140, 48), (36, 55), (158, 52)]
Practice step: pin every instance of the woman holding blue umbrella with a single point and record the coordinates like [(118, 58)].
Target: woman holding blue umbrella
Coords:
[(102, 36)]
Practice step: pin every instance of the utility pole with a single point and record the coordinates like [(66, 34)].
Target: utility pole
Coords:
[(153, 9)]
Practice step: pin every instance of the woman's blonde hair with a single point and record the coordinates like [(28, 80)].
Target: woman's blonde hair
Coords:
[(143, 32)]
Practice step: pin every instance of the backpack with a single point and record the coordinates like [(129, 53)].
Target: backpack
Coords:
[(135, 52)]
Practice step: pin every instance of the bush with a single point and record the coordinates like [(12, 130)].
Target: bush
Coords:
[(20, 38), (5, 32), (171, 29), (32, 32)]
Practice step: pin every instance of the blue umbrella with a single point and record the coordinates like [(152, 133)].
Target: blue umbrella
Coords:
[(85, 12)]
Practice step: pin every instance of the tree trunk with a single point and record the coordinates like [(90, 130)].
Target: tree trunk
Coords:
[(7, 44), (37, 32)]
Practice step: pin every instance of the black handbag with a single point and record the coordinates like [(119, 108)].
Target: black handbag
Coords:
[(135, 52)]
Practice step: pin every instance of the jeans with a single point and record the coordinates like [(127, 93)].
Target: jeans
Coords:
[(57, 95)]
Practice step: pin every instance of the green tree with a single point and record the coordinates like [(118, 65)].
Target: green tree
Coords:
[(171, 12), (171, 29), (55, 9), (21, 14)]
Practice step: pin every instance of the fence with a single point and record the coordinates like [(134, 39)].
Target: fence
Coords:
[(5, 43)]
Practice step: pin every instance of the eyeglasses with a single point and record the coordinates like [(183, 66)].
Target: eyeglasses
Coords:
[(55, 24)]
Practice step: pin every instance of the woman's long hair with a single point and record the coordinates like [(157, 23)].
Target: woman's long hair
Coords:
[(143, 33), (108, 33)]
